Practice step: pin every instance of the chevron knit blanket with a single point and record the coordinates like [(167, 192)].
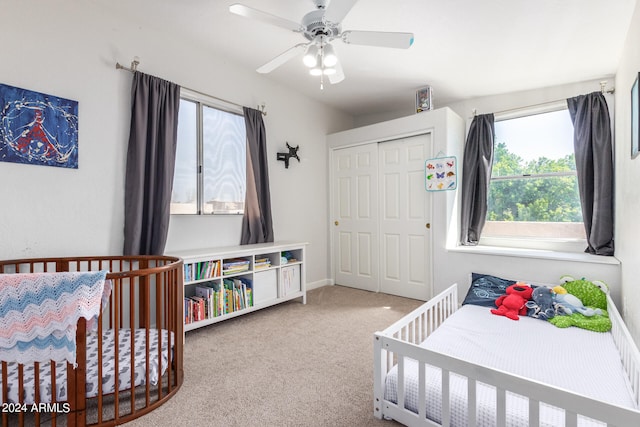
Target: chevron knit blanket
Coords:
[(39, 313)]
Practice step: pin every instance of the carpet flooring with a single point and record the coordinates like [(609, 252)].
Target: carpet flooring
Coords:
[(287, 365)]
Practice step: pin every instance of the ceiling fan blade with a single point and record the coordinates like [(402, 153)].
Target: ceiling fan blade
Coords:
[(338, 9), (378, 38), (248, 12), (338, 76), (282, 58)]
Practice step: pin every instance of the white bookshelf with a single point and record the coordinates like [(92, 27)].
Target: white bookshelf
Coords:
[(281, 278)]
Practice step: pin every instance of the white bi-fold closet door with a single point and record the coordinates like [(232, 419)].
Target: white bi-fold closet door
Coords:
[(381, 214)]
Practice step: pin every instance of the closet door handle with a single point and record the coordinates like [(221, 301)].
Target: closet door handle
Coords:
[(428, 225), (336, 223)]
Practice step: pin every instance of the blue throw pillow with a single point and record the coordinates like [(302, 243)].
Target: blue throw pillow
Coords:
[(486, 289)]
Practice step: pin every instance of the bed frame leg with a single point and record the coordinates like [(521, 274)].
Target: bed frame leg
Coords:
[(379, 371)]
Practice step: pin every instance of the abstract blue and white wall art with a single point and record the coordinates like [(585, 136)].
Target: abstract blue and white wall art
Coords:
[(38, 129)]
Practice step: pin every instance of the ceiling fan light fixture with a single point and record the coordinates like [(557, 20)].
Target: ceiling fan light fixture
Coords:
[(310, 58), (320, 28), (330, 58)]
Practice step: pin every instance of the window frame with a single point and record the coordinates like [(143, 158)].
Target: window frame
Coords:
[(556, 244), (202, 100)]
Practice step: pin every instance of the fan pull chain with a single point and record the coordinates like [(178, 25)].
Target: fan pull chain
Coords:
[(321, 64)]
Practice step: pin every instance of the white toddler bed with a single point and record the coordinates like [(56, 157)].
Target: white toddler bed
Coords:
[(478, 369)]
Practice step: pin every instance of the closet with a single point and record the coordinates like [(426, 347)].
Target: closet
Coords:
[(381, 213)]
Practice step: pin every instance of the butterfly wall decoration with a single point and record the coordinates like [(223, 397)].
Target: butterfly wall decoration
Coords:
[(441, 174)]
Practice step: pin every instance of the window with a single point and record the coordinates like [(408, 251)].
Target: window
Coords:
[(533, 192), (210, 173)]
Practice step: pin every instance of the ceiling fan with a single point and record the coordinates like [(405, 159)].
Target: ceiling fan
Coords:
[(320, 27)]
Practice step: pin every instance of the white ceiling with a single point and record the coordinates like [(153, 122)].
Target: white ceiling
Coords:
[(463, 48)]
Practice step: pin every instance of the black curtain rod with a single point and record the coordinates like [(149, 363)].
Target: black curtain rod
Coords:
[(526, 107), (134, 68)]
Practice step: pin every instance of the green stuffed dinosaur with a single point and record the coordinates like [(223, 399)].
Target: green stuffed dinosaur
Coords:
[(593, 295)]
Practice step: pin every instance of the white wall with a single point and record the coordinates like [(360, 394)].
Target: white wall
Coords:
[(516, 100), (369, 119), (627, 178), (501, 102), (69, 49)]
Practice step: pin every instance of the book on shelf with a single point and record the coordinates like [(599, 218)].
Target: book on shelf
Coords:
[(201, 270), (188, 310), (261, 263), (235, 265), (198, 309), (239, 293), (206, 293), (216, 299), (235, 270)]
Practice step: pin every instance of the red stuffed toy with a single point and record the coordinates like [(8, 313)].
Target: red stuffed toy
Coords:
[(513, 303)]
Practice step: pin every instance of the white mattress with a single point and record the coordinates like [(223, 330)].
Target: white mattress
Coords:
[(582, 361), (156, 368)]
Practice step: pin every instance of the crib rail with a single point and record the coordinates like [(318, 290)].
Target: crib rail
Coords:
[(147, 294), (413, 328), (416, 326), (629, 354), (396, 344), (536, 392)]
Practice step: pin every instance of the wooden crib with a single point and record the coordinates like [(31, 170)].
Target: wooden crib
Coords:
[(132, 365)]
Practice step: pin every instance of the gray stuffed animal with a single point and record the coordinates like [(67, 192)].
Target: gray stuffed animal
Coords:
[(542, 304)]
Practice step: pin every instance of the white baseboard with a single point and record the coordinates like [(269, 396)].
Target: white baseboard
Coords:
[(319, 284)]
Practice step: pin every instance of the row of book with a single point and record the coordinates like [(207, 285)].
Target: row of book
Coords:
[(201, 270), (235, 265), (262, 263), (210, 269), (216, 299)]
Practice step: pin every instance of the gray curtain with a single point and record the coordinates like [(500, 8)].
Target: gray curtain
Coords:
[(151, 159), (476, 173), (594, 166), (257, 224)]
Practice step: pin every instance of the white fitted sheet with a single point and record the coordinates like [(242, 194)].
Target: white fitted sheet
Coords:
[(157, 367), (575, 359)]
